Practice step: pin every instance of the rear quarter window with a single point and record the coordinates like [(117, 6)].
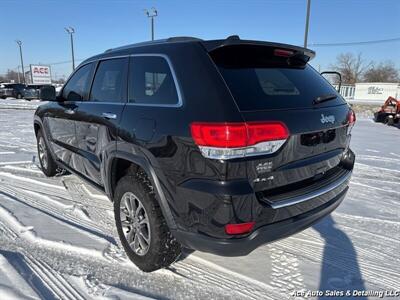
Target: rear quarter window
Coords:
[(151, 81)]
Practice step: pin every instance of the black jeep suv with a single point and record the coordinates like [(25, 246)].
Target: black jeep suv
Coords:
[(218, 146)]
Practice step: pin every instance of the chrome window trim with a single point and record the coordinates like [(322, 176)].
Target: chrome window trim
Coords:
[(170, 65)]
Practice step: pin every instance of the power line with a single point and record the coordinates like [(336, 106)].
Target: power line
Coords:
[(63, 62), (355, 43)]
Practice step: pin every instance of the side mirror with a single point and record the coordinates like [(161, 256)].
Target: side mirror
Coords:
[(334, 78), (48, 93)]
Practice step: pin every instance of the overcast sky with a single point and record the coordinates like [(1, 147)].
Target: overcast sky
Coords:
[(101, 25)]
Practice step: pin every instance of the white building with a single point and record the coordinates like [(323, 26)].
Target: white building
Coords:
[(347, 91), (376, 91)]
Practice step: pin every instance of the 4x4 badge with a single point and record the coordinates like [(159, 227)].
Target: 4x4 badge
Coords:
[(327, 119)]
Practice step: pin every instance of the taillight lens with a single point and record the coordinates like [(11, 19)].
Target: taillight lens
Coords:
[(226, 135), (233, 140), (240, 228), (262, 132), (351, 117)]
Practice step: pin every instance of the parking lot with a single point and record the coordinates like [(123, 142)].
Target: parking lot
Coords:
[(57, 235)]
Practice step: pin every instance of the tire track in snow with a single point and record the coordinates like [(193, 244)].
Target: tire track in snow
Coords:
[(197, 270), (368, 168), (366, 253), (63, 192), (375, 188), (192, 272), (286, 274), (63, 216), (370, 272), (4, 229), (58, 285)]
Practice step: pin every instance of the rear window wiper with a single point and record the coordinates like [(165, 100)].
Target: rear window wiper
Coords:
[(324, 98)]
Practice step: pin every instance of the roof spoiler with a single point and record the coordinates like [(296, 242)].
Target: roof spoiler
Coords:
[(234, 40)]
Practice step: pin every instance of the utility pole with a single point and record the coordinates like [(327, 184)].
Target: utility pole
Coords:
[(22, 61), (151, 14), (19, 79), (71, 31), (307, 23)]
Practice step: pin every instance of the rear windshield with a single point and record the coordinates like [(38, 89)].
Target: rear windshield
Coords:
[(275, 85)]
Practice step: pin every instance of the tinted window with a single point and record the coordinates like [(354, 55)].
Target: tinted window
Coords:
[(77, 88), (259, 79), (109, 83), (151, 81), (15, 86), (275, 88)]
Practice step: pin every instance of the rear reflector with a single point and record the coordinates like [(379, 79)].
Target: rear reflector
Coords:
[(240, 228), (233, 140)]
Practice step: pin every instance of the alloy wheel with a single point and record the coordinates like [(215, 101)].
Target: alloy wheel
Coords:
[(43, 153), (135, 223)]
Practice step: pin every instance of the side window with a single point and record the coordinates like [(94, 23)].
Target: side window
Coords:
[(109, 83), (77, 88), (151, 81)]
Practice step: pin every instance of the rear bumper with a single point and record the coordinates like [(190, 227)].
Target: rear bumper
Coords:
[(263, 235)]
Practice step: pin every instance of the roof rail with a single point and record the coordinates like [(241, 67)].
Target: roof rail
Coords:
[(167, 40)]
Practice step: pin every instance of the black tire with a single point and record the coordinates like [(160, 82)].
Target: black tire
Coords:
[(162, 249), (47, 163)]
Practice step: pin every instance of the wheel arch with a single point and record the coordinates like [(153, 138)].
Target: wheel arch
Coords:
[(120, 163), (36, 127)]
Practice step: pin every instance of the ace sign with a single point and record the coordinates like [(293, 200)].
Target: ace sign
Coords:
[(40, 74)]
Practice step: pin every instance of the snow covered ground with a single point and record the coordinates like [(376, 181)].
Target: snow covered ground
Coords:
[(57, 238)]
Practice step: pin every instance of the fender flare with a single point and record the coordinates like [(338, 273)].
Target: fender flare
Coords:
[(143, 162), (37, 121)]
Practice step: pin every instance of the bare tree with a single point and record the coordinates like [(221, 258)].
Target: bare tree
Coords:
[(11, 75), (351, 67), (383, 72)]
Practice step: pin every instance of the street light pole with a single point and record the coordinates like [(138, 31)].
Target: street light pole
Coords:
[(307, 23), (19, 79), (151, 15), (22, 61), (71, 31)]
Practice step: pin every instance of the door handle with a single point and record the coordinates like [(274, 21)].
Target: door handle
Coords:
[(109, 116), (69, 111)]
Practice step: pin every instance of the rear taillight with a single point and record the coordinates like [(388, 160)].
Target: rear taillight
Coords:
[(240, 228), (234, 140), (351, 119)]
